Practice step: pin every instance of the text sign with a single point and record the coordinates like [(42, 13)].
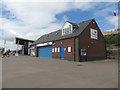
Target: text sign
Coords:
[(83, 52), (93, 34)]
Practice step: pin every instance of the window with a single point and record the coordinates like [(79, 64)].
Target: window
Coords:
[(69, 49), (83, 52), (52, 50), (64, 49), (63, 31), (57, 33), (70, 28), (47, 35), (58, 49), (55, 49)]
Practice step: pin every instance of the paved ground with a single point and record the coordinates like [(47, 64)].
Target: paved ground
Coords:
[(0, 72), (32, 72)]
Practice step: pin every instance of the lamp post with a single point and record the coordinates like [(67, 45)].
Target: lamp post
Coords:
[(17, 49), (4, 45)]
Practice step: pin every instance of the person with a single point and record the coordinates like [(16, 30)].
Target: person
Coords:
[(8, 52), (3, 52)]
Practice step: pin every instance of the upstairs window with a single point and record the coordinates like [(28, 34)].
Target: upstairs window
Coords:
[(67, 28)]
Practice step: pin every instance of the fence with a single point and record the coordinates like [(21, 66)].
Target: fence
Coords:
[(113, 54)]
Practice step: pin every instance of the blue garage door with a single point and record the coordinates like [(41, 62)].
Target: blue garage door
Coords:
[(45, 52)]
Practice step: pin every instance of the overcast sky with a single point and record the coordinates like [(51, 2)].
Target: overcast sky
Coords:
[(32, 18)]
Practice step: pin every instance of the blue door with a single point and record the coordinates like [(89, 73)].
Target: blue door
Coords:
[(45, 52), (62, 52)]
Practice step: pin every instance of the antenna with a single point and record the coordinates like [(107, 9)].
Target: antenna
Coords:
[(115, 14)]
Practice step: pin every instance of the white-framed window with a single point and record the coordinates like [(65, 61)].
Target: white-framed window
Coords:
[(55, 50), (52, 50), (69, 49), (67, 28), (58, 49), (64, 49)]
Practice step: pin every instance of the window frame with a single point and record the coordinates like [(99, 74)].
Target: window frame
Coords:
[(69, 49), (58, 49), (53, 50)]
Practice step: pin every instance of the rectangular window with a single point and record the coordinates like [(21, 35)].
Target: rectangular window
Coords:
[(52, 50), (63, 31), (70, 28), (58, 49), (69, 49), (64, 49), (83, 52), (55, 49)]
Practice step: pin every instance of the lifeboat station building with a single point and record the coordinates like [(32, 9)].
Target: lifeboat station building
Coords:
[(75, 42), (25, 45)]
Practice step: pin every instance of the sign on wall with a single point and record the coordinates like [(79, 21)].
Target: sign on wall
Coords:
[(83, 52), (93, 34), (44, 44)]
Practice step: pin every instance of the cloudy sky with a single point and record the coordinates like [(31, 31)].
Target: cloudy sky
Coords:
[(32, 18)]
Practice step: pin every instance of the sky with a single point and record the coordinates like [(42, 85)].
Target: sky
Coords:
[(31, 19)]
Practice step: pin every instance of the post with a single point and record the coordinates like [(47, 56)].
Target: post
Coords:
[(115, 14), (4, 45), (17, 49)]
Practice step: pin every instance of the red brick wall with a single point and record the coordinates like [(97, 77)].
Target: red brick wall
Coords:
[(36, 51), (95, 48), (66, 43)]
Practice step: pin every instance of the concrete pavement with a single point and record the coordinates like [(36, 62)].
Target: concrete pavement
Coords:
[(32, 72)]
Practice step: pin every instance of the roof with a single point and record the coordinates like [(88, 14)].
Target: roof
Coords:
[(21, 41), (57, 35), (29, 40), (74, 24)]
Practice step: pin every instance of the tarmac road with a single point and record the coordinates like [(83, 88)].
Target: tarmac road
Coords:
[(32, 72)]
